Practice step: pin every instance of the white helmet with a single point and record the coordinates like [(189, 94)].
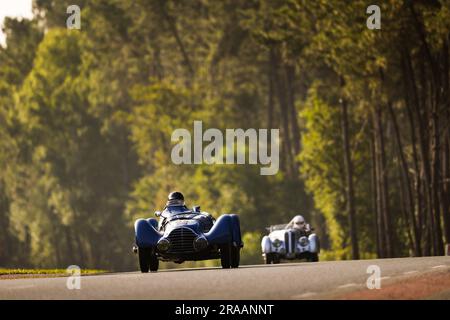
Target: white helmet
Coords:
[(298, 222)]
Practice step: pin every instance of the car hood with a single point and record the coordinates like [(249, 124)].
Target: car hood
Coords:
[(277, 234), (182, 223)]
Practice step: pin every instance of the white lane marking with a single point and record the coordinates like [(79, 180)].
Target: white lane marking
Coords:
[(22, 287), (410, 272), (385, 278), (440, 266), (304, 295), (348, 285)]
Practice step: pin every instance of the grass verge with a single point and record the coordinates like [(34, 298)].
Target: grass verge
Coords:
[(44, 272)]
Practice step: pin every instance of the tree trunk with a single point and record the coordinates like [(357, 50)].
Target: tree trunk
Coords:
[(375, 193), (422, 117), (379, 195), (444, 191), (436, 179), (4, 226), (403, 208), (271, 102), (284, 110), (349, 178), (409, 208), (290, 77), (409, 87), (432, 173), (384, 190), (70, 253), (173, 29)]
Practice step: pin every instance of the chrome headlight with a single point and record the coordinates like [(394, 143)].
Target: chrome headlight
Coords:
[(163, 245), (276, 243), (304, 241), (200, 243)]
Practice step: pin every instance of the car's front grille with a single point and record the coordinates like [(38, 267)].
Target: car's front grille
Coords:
[(181, 240), (290, 241), (293, 241)]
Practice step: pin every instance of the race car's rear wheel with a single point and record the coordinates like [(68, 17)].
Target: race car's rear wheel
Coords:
[(148, 260)]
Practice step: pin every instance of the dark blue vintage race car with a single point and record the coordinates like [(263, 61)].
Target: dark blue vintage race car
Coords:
[(183, 234)]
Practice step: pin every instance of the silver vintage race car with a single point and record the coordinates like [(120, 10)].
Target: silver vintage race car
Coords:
[(286, 242)]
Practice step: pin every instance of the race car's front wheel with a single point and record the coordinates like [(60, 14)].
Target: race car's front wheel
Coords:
[(235, 256), (154, 262), (225, 256), (276, 259), (313, 257), (268, 258), (144, 259), (271, 258), (148, 260)]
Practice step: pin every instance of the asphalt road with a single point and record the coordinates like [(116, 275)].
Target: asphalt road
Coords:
[(284, 281)]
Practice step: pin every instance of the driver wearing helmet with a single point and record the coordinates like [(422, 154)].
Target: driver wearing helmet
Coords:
[(175, 199), (299, 223), (175, 206)]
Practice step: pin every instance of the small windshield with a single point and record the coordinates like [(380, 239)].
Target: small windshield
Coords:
[(174, 210), (278, 227)]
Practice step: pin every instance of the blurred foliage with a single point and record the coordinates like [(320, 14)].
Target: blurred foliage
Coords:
[(86, 118)]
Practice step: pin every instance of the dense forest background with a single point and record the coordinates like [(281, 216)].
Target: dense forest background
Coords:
[(86, 118)]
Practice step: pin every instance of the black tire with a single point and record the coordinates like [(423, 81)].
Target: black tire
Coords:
[(313, 257), (148, 260), (276, 259), (154, 262), (144, 259), (225, 255), (235, 256), (271, 258)]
